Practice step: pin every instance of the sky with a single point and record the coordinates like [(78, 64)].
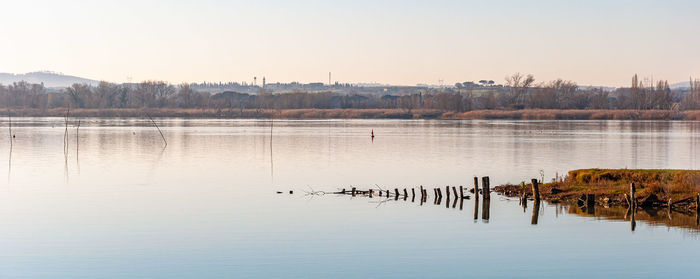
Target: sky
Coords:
[(403, 42)]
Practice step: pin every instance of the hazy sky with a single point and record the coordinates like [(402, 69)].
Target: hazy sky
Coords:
[(399, 42)]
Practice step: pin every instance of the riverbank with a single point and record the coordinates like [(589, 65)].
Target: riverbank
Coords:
[(654, 188), (527, 114)]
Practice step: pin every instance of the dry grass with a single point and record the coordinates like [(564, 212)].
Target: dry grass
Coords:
[(676, 184), (527, 114)]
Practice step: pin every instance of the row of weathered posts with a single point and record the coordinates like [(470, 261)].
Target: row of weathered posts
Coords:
[(458, 193)]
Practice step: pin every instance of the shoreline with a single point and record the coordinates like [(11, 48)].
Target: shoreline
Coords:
[(233, 113)]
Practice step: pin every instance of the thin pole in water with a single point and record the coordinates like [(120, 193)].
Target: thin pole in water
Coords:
[(9, 118)]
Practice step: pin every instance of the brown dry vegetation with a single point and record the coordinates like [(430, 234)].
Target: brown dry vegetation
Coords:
[(679, 185), (526, 114)]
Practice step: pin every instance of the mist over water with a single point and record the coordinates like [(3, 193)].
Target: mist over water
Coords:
[(117, 204)]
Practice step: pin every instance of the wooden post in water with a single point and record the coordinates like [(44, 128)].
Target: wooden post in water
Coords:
[(387, 193), (396, 192), (454, 191), (342, 191), (486, 191), (535, 190), (405, 193), (354, 192), (633, 200), (476, 186), (413, 192), (371, 193), (447, 191), (461, 192)]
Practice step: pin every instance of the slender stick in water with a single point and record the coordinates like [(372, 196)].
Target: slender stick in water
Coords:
[(77, 144), (159, 131), (9, 118), (65, 133)]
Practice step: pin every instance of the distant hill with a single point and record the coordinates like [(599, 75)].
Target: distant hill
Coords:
[(685, 84), (50, 79)]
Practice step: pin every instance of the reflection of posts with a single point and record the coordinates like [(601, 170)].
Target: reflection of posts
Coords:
[(485, 211), (476, 207), (535, 212)]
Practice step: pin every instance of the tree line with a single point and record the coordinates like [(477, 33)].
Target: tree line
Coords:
[(519, 92)]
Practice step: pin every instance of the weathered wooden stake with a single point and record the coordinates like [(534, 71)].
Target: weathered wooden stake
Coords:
[(353, 191), (439, 193), (396, 191), (633, 200), (454, 190), (535, 190), (387, 193), (413, 192), (486, 190), (461, 192), (447, 191), (476, 186), (342, 191), (405, 193), (371, 193)]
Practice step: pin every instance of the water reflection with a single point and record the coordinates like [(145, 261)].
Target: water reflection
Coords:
[(535, 212)]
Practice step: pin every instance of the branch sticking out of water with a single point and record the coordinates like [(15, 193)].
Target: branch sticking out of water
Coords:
[(159, 131)]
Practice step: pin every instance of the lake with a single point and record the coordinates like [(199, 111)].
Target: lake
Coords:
[(109, 201)]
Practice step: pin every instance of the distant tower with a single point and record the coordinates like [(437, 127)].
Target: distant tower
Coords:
[(255, 81)]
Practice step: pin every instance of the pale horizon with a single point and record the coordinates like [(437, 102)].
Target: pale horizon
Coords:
[(600, 43)]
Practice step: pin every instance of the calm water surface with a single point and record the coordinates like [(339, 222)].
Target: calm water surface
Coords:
[(117, 204)]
